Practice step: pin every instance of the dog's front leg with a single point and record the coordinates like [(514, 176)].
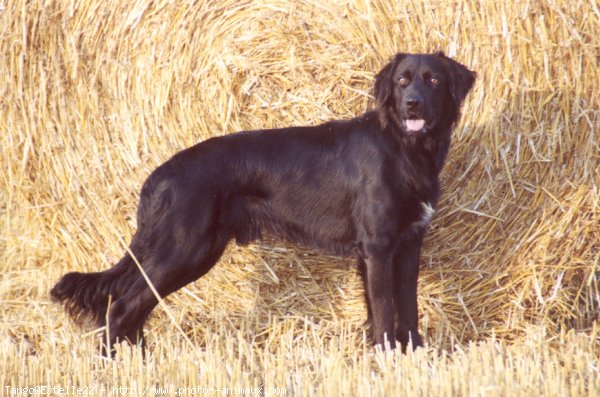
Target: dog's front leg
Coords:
[(380, 283), (406, 273)]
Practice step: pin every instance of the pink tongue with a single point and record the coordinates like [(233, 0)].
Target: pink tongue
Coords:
[(415, 125)]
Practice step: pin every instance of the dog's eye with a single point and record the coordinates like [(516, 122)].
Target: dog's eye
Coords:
[(433, 81), (403, 81)]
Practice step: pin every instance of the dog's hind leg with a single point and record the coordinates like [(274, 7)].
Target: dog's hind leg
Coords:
[(181, 243), (168, 271)]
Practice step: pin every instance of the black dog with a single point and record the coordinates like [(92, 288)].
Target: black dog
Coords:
[(366, 187)]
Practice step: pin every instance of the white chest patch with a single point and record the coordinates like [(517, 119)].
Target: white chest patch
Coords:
[(426, 215)]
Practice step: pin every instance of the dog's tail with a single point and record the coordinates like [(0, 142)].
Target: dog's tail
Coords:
[(86, 295)]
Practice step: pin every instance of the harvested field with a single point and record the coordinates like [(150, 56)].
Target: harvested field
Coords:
[(95, 94)]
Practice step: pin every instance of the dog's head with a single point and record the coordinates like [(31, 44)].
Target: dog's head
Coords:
[(420, 92)]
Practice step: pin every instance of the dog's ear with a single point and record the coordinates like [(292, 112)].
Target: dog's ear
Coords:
[(461, 78), (384, 80)]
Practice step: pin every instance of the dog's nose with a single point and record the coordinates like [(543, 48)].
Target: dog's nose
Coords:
[(413, 103)]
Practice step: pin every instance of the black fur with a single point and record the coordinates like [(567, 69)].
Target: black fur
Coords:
[(365, 187)]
